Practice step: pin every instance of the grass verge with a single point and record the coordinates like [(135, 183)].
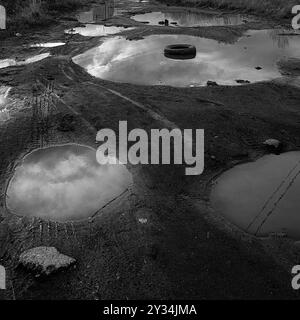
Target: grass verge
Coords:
[(274, 8)]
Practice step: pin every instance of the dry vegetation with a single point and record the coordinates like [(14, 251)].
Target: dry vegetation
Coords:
[(276, 8), (37, 12)]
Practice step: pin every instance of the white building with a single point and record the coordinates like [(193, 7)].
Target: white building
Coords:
[(2, 17)]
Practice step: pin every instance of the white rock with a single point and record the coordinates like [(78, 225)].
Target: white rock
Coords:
[(272, 143), (45, 260)]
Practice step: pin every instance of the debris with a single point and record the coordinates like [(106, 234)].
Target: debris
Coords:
[(240, 81), (45, 260), (211, 84), (143, 221), (272, 143), (258, 68)]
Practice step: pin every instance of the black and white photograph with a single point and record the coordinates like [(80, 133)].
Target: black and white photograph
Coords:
[(149, 151)]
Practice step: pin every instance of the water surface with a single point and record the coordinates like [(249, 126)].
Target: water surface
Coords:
[(64, 183), (47, 45), (262, 197), (93, 30), (184, 18), (253, 58)]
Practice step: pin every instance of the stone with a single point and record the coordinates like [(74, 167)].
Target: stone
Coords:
[(211, 84), (45, 260), (241, 81), (272, 143)]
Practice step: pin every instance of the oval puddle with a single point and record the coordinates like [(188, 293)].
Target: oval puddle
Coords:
[(262, 197), (47, 45), (253, 58), (64, 183), (185, 18)]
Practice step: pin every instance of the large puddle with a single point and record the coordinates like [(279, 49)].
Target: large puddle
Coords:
[(253, 58), (64, 183), (262, 197), (185, 18)]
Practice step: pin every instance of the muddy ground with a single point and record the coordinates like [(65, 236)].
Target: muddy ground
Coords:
[(186, 250)]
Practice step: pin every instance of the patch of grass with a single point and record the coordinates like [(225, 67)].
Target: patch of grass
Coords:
[(275, 8), (37, 12)]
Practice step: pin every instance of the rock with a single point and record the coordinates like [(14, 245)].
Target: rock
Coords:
[(135, 38), (258, 68), (211, 84), (273, 145), (240, 81), (45, 260)]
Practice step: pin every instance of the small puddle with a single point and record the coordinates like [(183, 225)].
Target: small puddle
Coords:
[(184, 18), (98, 13), (47, 45), (64, 183), (4, 63), (253, 58), (4, 92), (93, 30), (4, 100), (262, 197)]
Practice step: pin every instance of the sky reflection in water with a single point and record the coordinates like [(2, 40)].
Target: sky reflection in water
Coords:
[(64, 183), (143, 61), (184, 18), (241, 193)]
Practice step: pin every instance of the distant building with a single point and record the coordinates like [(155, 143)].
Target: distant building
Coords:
[(2, 18), (2, 278), (104, 11)]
